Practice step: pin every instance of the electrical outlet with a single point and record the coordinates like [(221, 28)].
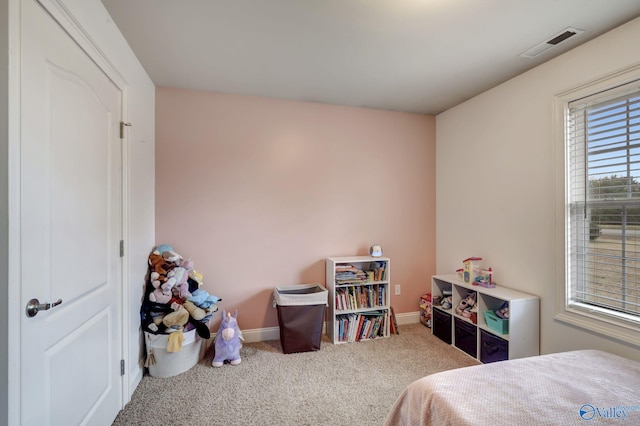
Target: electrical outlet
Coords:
[(397, 289)]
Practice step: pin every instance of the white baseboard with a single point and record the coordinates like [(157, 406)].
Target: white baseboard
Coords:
[(273, 333), (408, 318), (261, 334), (134, 380)]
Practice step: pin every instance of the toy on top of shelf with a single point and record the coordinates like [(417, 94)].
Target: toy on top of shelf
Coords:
[(470, 268), (484, 278)]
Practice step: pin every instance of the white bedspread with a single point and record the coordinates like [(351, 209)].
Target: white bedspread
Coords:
[(579, 387)]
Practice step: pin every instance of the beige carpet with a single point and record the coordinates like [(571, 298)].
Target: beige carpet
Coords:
[(347, 384)]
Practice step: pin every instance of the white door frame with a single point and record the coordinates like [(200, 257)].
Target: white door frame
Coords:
[(61, 14)]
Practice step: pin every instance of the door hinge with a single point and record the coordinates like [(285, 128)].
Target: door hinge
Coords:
[(121, 248), (122, 126), (122, 367)]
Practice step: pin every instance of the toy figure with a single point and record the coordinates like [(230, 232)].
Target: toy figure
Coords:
[(228, 341)]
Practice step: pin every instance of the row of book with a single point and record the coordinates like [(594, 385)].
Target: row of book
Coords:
[(376, 271), (358, 297), (364, 326), (347, 273)]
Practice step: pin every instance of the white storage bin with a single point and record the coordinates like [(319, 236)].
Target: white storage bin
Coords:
[(173, 363)]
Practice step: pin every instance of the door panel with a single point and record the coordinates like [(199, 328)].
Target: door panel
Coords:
[(78, 206), (61, 358), (71, 214)]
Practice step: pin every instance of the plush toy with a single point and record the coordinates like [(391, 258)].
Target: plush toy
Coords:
[(158, 296), (166, 285), (202, 299), (187, 264), (164, 247), (179, 317), (168, 255), (174, 342), (228, 341), (157, 263), (194, 279), (172, 257), (196, 276), (175, 322), (159, 268), (179, 276), (195, 312)]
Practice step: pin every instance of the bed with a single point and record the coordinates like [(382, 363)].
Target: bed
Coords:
[(562, 388)]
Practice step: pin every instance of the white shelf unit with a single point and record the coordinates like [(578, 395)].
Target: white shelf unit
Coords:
[(370, 301), (522, 339)]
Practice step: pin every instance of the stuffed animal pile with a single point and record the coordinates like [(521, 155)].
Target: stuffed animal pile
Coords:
[(174, 303)]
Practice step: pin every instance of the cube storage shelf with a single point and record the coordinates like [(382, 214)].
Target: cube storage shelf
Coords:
[(359, 309), (479, 340)]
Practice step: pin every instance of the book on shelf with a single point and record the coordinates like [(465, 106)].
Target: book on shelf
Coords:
[(377, 326), (378, 270), (360, 297), (347, 273), (364, 326), (361, 310), (393, 323)]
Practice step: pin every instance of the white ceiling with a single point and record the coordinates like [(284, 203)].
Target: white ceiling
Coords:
[(420, 56)]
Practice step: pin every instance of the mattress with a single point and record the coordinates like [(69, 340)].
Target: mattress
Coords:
[(563, 388)]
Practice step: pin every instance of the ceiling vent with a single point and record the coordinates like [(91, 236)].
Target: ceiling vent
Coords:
[(552, 42)]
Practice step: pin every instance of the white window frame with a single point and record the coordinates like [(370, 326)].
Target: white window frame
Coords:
[(587, 317)]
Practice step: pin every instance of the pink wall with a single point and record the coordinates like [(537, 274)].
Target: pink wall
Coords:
[(258, 192)]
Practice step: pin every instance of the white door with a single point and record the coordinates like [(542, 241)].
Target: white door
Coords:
[(71, 219)]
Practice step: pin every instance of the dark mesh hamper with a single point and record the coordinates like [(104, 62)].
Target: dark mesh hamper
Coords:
[(301, 311)]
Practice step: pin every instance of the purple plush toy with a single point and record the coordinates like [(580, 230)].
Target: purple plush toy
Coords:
[(228, 341)]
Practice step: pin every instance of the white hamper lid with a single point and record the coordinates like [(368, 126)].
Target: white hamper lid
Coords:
[(301, 294)]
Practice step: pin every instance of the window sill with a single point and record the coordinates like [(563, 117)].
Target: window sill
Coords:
[(606, 325)]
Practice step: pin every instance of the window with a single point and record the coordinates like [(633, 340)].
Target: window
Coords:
[(602, 200)]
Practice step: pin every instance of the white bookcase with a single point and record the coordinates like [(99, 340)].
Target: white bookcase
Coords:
[(359, 308), (478, 339)]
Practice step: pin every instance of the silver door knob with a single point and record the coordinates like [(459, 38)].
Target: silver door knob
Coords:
[(34, 306)]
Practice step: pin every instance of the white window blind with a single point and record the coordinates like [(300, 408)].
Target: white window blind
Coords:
[(603, 135)]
